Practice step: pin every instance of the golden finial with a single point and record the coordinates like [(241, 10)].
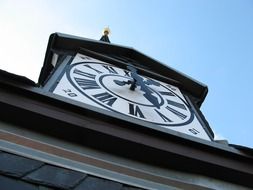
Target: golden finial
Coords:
[(106, 31), (105, 34)]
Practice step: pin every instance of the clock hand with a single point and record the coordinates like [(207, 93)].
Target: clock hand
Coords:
[(148, 95), (122, 83), (152, 82), (136, 79), (139, 81)]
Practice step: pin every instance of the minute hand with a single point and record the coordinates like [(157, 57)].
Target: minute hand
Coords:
[(147, 92)]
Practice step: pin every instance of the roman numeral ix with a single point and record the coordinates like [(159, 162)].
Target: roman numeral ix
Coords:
[(87, 84)]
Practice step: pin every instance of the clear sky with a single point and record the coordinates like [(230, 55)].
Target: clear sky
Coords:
[(209, 40)]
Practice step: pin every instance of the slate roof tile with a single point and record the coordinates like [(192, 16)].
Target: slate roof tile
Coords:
[(17, 166), (14, 184), (28, 174), (95, 183), (55, 177)]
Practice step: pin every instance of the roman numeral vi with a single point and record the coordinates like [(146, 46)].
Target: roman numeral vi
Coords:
[(135, 111)]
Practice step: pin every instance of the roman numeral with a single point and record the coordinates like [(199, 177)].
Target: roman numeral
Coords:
[(176, 104), (194, 131), (167, 93), (127, 73), (173, 103), (84, 74), (110, 69), (165, 119), (85, 57), (105, 97), (135, 111), (93, 69), (179, 114), (87, 84)]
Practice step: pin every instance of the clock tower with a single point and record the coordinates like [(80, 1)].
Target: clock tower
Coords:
[(129, 86), (105, 116)]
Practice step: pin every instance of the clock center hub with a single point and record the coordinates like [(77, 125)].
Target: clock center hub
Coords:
[(136, 96)]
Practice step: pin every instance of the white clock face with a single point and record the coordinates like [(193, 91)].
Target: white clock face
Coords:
[(126, 92), (105, 85)]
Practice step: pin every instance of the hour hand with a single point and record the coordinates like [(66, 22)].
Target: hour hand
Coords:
[(144, 88), (122, 83)]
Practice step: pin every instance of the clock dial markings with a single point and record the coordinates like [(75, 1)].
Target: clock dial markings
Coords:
[(85, 57), (87, 84), (69, 92), (84, 74), (165, 119), (166, 93), (177, 113), (150, 100), (99, 72), (135, 111), (106, 98), (194, 131), (127, 73), (110, 69), (171, 87), (176, 104)]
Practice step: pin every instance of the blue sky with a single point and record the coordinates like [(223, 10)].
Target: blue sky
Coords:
[(209, 40)]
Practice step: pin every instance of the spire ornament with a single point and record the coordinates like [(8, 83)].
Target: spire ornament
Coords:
[(105, 35)]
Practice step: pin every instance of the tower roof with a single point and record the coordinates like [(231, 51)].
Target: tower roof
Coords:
[(62, 43)]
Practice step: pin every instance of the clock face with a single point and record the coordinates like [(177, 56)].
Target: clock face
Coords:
[(110, 87), (127, 92)]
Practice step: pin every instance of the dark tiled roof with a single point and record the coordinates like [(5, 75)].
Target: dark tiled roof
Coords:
[(17, 166), (7, 183), (56, 177), (94, 183), (18, 172)]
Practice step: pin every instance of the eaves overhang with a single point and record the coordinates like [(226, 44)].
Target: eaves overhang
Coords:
[(68, 44)]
